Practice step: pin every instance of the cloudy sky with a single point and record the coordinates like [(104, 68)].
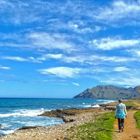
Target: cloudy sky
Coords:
[(58, 48)]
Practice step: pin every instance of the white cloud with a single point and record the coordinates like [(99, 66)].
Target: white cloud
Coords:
[(120, 10), (50, 41), (76, 84), (81, 28), (35, 11), (138, 53), (15, 58), (112, 58), (21, 59), (135, 52), (54, 56), (85, 59), (63, 72), (127, 81), (121, 69), (114, 43), (50, 56), (19, 12), (38, 41), (4, 67), (64, 58)]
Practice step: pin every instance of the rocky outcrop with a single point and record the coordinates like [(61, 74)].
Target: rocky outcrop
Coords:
[(110, 92), (28, 127), (68, 115)]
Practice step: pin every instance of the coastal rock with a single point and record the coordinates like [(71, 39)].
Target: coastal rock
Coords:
[(110, 92), (110, 108), (67, 119), (58, 113), (28, 127), (68, 115)]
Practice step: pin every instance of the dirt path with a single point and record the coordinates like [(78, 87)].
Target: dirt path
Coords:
[(130, 130)]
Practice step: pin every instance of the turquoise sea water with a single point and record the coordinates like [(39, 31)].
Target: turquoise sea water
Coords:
[(18, 112)]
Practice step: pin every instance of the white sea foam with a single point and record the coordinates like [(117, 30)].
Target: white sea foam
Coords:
[(5, 132), (93, 106), (5, 126), (106, 101), (86, 106), (23, 112), (22, 120), (96, 106), (100, 101)]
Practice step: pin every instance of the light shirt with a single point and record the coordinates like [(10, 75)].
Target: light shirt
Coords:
[(121, 111)]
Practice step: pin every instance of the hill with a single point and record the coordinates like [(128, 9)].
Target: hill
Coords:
[(110, 92)]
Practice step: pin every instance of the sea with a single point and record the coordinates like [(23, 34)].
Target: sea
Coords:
[(16, 113)]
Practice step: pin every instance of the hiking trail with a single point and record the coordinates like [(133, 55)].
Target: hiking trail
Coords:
[(130, 130)]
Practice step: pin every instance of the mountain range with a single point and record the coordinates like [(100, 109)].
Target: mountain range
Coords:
[(110, 92)]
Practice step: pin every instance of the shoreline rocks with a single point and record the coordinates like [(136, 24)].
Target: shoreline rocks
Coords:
[(67, 115), (73, 118)]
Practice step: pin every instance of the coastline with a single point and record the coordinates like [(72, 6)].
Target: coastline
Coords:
[(14, 118), (72, 117)]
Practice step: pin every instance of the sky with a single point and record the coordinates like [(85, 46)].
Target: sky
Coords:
[(58, 48)]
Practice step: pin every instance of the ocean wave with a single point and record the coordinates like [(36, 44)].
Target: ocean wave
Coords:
[(96, 106), (24, 112), (86, 106), (97, 103), (104, 100), (93, 106), (5, 132)]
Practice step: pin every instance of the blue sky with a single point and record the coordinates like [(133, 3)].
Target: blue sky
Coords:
[(59, 48)]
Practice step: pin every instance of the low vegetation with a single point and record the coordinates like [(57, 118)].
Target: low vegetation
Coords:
[(135, 103), (100, 129), (129, 103), (137, 117)]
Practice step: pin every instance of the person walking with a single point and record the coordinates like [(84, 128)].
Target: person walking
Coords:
[(120, 114)]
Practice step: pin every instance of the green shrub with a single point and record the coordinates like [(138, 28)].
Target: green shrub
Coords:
[(137, 117)]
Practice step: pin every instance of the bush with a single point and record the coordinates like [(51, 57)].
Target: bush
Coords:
[(137, 117)]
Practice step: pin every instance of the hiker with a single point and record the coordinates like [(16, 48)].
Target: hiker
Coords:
[(120, 114)]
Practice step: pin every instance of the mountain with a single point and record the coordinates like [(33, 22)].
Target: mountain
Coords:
[(110, 92)]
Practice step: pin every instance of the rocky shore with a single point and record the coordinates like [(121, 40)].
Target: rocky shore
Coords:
[(71, 117)]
